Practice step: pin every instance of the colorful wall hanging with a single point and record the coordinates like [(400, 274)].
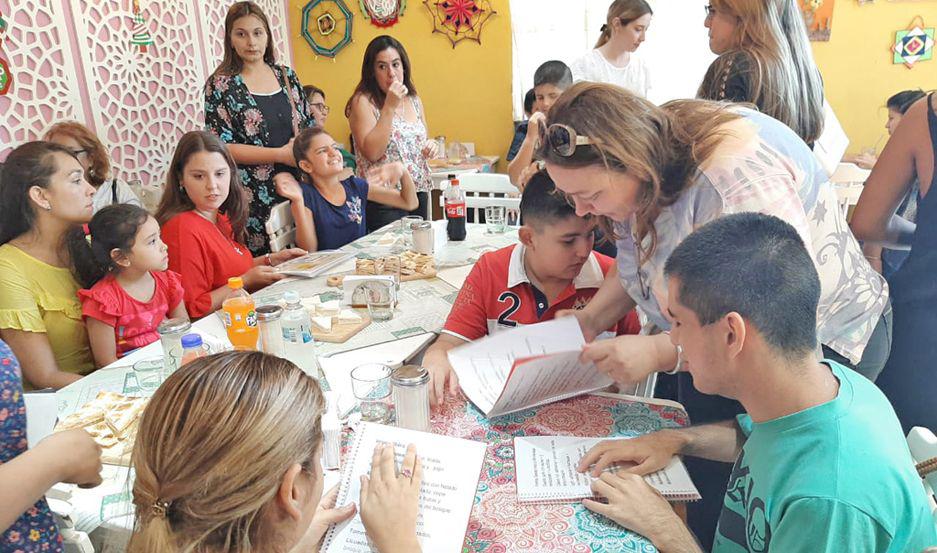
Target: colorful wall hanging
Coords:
[(140, 35), (914, 44), (6, 78), (818, 15), (459, 20), (382, 13), (327, 26)]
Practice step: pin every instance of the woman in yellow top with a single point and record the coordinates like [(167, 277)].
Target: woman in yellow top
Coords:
[(44, 200)]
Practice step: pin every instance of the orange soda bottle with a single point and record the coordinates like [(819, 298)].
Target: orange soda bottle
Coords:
[(240, 319)]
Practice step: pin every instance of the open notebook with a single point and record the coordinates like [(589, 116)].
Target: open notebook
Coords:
[(314, 263), (451, 467), (546, 471)]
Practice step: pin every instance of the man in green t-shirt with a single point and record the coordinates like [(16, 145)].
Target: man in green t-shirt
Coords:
[(821, 464)]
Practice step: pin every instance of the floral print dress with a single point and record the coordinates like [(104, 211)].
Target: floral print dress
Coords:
[(35, 529), (232, 113), (405, 145)]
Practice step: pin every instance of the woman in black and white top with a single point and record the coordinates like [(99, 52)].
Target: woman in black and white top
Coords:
[(93, 157)]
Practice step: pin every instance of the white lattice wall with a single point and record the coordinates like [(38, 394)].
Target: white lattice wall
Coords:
[(72, 59)]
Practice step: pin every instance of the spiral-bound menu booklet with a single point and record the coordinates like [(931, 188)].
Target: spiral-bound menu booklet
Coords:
[(546, 471), (451, 467)]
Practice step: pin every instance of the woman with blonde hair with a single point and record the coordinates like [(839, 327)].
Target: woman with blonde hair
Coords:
[(654, 174), (93, 157), (765, 59), (227, 460), (613, 59)]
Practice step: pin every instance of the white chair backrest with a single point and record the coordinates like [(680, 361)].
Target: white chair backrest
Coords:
[(281, 228), (489, 189), (923, 446)]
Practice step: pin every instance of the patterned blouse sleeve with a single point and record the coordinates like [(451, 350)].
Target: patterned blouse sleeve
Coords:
[(217, 118), (306, 119)]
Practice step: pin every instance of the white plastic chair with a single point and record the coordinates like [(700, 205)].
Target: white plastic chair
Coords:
[(488, 189), (923, 446), (281, 228), (848, 180)]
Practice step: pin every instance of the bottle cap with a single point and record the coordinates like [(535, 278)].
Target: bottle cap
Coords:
[(235, 282), (410, 375), (191, 341), (174, 326), (291, 296), (268, 312)]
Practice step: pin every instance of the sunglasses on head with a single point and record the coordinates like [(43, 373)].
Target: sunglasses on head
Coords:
[(563, 139)]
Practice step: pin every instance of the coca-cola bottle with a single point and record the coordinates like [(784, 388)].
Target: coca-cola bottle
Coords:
[(455, 211)]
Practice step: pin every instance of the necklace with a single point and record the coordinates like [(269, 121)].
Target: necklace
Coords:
[(234, 244)]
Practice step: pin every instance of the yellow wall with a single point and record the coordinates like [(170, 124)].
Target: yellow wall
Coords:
[(857, 68), (466, 91)]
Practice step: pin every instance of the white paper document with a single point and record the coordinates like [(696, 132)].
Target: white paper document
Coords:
[(451, 467), (525, 367), (546, 471)]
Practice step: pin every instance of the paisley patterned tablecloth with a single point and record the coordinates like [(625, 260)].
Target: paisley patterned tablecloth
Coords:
[(499, 523)]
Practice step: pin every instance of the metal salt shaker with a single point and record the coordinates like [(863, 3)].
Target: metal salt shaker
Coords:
[(422, 237), (170, 337), (411, 397), (271, 329)]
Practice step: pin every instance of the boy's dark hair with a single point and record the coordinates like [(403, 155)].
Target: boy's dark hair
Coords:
[(553, 72), (757, 266), (542, 203), (114, 227), (529, 100), (902, 101)]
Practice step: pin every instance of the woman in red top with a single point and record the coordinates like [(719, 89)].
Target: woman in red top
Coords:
[(203, 214)]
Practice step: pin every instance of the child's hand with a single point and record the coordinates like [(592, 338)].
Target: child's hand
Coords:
[(288, 187), (533, 125)]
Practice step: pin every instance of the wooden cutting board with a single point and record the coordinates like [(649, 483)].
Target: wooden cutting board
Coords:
[(336, 280), (340, 332)]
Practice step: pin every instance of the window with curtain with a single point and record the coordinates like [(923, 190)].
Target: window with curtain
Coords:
[(676, 49)]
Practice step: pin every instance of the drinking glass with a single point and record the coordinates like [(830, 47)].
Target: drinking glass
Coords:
[(406, 230), (494, 219), (380, 298), (371, 386), (149, 373)]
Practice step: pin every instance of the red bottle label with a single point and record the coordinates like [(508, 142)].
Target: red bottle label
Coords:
[(455, 210)]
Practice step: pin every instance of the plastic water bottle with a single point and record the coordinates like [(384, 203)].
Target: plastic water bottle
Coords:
[(299, 345), (455, 211), (240, 316)]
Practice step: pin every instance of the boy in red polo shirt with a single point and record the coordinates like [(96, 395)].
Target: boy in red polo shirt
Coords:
[(552, 269)]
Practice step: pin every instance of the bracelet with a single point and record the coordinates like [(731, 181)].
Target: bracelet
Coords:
[(873, 257), (269, 259), (676, 368)]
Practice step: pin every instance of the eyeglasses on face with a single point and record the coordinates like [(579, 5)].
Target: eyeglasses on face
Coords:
[(321, 107), (563, 139), (710, 10)]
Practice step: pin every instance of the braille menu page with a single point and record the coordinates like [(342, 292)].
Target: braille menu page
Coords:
[(525, 367), (451, 467), (546, 471)]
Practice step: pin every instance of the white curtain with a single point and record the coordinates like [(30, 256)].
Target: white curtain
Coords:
[(676, 49)]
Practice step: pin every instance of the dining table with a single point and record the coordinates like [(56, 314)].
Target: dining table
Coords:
[(498, 523)]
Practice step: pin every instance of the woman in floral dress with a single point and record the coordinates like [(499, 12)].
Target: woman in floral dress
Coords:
[(256, 107), (388, 125)]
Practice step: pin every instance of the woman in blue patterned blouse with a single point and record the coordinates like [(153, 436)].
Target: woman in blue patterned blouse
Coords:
[(71, 456)]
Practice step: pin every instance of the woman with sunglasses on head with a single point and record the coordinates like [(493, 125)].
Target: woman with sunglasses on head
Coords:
[(93, 157), (654, 174), (257, 107), (765, 59), (388, 124), (221, 466), (613, 60)]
